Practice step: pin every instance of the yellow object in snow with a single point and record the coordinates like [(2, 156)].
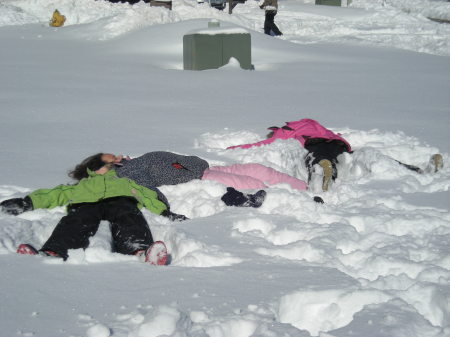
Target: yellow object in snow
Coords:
[(57, 19)]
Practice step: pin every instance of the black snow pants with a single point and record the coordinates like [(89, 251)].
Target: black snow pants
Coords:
[(129, 229), (410, 167), (269, 24), (319, 149)]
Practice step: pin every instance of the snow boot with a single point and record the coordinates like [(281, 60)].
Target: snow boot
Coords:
[(26, 249), (156, 254), (257, 199), (327, 173), (436, 162), (50, 253)]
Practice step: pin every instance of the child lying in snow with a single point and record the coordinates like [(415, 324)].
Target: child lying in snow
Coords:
[(158, 168), (324, 147), (155, 169), (99, 195)]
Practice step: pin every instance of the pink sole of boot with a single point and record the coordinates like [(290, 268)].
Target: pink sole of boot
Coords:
[(26, 249), (156, 254)]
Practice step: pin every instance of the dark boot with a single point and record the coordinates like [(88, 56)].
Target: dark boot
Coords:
[(239, 199)]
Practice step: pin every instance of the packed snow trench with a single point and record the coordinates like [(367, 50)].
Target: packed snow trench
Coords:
[(372, 261)]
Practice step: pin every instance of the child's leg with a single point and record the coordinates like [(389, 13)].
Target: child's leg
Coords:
[(410, 167), (309, 158), (260, 173), (435, 164), (323, 150), (232, 179), (270, 175), (74, 230), (129, 229)]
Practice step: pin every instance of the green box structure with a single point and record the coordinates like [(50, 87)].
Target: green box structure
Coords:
[(334, 2), (212, 48)]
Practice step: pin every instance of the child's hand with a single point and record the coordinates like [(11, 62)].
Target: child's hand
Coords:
[(16, 206), (174, 216)]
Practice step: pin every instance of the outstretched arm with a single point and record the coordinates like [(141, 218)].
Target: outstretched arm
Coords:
[(247, 146), (50, 198), (42, 198), (149, 199)]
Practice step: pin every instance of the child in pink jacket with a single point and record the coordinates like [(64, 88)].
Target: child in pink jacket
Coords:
[(324, 147)]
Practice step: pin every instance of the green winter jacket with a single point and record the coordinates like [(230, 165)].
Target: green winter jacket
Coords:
[(95, 188)]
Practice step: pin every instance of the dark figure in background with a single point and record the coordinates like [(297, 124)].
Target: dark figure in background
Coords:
[(271, 8)]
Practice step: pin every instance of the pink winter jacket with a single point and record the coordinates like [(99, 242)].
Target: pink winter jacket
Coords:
[(301, 130), (250, 176)]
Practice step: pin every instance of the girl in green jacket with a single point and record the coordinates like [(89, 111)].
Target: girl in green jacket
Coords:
[(101, 195)]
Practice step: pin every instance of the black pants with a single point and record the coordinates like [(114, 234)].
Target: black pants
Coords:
[(410, 167), (129, 229), (269, 24), (321, 149)]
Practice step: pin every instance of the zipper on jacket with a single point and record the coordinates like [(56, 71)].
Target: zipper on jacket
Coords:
[(104, 187)]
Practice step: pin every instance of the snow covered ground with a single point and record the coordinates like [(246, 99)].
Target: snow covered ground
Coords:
[(374, 260)]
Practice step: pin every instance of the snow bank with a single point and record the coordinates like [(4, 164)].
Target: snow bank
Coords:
[(326, 310), (399, 23), (162, 322), (98, 330), (438, 9)]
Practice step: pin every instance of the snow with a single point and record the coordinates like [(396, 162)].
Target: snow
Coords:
[(98, 330), (218, 30), (373, 260)]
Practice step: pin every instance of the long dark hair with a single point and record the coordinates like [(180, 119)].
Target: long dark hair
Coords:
[(92, 163)]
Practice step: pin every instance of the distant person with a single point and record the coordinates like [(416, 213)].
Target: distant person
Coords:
[(271, 8), (324, 147), (99, 195)]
